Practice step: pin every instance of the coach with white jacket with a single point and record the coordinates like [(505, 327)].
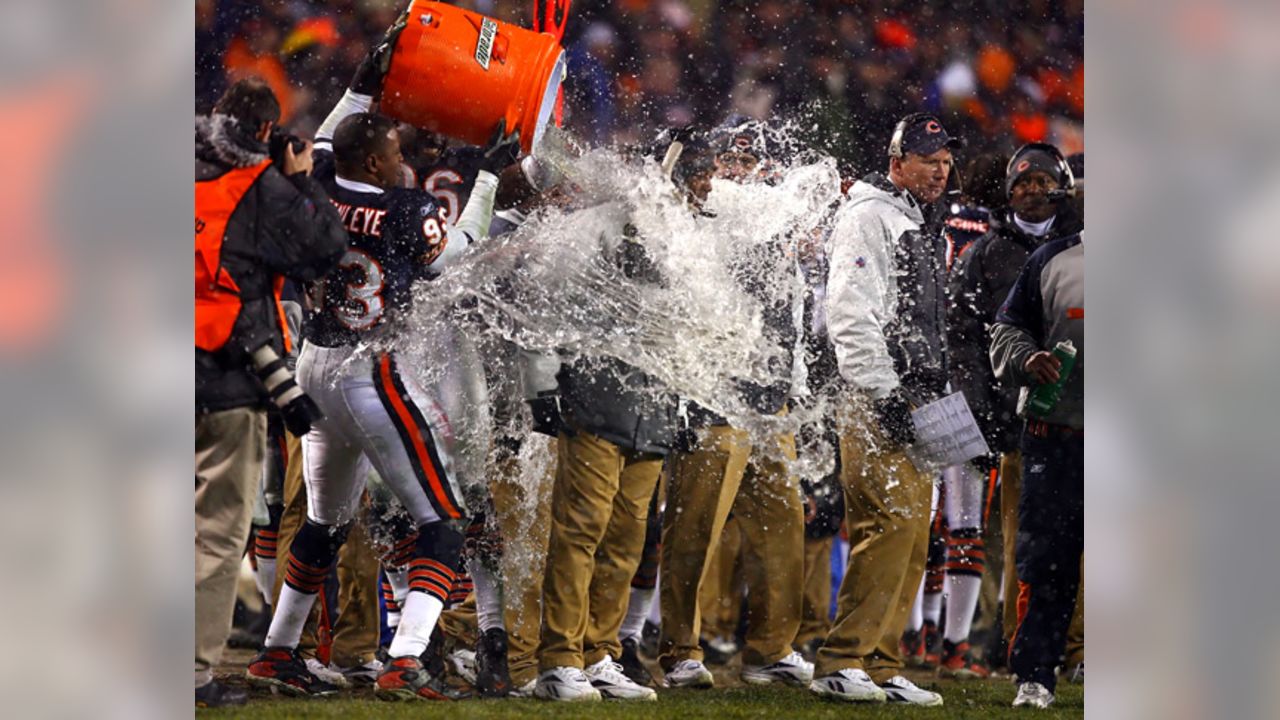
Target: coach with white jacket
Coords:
[(886, 315)]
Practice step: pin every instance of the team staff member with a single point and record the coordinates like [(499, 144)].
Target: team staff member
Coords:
[(720, 471), (613, 424), (254, 222), (886, 320), (1045, 307), (980, 281)]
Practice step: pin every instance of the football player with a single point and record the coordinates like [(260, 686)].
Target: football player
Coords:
[(375, 413)]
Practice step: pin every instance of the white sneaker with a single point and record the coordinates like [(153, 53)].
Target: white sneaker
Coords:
[(607, 677), (566, 684), (327, 674), (525, 690), (690, 674), (790, 670), (1033, 694), (850, 685), (463, 661), (366, 674), (898, 689)]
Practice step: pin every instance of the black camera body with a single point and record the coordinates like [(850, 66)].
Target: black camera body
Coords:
[(278, 141)]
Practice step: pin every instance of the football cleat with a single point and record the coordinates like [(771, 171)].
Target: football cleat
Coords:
[(898, 689), (932, 645), (607, 677), (280, 669), (689, 674), (912, 648), (957, 662), (849, 685), (493, 679), (405, 678), (565, 684), (790, 670), (632, 666), (1033, 694)]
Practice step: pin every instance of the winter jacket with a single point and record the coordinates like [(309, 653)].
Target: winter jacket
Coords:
[(1045, 307), (979, 283), (280, 227), (886, 294), (602, 395)]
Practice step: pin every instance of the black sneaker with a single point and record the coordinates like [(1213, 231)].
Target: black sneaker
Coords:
[(492, 677), (282, 669), (214, 694), (632, 666)]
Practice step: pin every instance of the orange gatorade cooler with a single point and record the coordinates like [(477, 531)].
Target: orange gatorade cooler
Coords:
[(456, 73)]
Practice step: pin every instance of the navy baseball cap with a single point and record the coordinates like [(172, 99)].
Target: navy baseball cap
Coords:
[(922, 134)]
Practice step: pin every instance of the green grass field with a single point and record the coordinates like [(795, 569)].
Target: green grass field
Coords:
[(979, 699)]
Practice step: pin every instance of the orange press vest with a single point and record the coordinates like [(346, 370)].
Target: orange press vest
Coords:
[(217, 295)]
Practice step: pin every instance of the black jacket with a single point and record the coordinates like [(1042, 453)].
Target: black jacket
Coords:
[(282, 226), (980, 281)]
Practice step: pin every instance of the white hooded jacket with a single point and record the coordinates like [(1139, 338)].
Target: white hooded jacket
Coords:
[(876, 340)]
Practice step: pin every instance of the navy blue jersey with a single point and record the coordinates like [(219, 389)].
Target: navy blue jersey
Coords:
[(397, 237), (450, 178)]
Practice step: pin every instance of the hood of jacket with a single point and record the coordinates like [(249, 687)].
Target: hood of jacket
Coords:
[(876, 188), (220, 140)]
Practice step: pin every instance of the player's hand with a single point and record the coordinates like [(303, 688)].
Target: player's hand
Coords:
[(300, 162), (1043, 366), (503, 149), (373, 69), (893, 414)]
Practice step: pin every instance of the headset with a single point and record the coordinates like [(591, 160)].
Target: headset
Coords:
[(1069, 185)]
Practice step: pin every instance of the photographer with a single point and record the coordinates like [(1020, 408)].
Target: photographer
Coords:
[(257, 221)]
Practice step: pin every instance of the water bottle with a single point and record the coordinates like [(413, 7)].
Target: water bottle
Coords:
[(1044, 397)]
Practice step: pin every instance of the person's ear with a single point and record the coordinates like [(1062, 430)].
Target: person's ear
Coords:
[(264, 132), (371, 164)]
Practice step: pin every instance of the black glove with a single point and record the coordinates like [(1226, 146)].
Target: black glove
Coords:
[(546, 415), (503, 149), (301, 414), (373, 69), (894, 415)]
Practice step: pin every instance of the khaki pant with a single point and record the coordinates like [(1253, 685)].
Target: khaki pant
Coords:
[(599, 504), (815, 620), (1010, 488), (723, 474), (229, 450), (887, 514), (720, 598), (355, 629), (523, 518)]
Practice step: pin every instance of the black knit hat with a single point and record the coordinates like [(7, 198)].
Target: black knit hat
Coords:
[(1037, 157)]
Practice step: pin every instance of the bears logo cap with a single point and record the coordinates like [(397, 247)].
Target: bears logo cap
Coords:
[(922, 134)]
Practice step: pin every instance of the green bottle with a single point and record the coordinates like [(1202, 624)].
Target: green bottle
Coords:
[(1044, 397)]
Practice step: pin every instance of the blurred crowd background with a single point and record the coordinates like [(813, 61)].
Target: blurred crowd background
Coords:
[(1000, 74)]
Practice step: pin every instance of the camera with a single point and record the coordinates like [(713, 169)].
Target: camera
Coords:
[(278, 141)]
